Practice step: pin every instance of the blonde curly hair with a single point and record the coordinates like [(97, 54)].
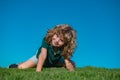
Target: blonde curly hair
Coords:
[(68, 35)]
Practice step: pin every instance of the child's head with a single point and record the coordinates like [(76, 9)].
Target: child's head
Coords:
[(62, 36)]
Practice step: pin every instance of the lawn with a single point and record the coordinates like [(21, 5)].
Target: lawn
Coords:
[(85, 73)]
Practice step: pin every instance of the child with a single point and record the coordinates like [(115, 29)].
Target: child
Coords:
[(55, 51)]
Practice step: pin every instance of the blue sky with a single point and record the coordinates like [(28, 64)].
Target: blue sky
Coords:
[(23, 24)]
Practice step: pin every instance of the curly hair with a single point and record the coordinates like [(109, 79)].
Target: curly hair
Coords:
[(68, 35)]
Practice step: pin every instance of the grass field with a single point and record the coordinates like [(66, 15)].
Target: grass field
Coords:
[(86, 73)]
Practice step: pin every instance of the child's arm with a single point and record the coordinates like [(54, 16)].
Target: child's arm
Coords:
[(69, 65), (41, 59)]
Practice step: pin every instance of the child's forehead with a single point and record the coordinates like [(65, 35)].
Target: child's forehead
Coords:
[(60, 36)]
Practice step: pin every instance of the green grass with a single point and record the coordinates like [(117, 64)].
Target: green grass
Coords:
[(86, 73)]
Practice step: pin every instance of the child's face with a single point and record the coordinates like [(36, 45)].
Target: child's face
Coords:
[(57, 41)]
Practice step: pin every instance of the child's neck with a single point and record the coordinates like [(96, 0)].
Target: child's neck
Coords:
[(55, 49)]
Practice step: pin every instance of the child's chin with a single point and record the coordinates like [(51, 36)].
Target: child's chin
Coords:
[(55, 46)]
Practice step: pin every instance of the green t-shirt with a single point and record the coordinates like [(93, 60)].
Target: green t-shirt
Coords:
[(51, 58)]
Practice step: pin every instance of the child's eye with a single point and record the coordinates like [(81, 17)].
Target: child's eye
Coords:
[(61, 40)]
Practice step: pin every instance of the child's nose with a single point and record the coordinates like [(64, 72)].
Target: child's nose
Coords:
[(57, 40)]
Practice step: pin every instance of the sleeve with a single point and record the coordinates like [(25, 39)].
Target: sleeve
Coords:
[(43, 45)]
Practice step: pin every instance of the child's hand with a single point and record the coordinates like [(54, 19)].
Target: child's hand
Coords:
[(69, 65), (38, 70)]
